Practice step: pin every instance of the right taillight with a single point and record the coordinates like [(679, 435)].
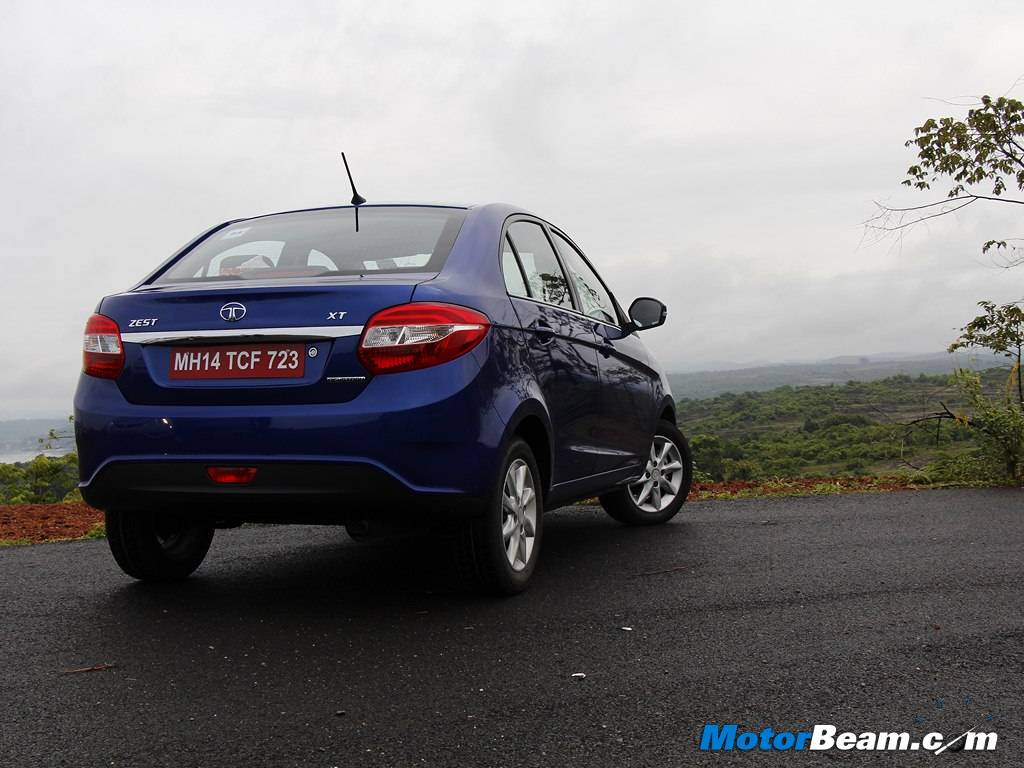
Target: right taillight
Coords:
[(419, 335), (102, 351)]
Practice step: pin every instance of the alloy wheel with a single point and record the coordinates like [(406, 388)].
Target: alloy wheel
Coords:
[(662, 478), (518, 514)]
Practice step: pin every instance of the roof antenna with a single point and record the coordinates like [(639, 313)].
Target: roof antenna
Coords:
[(357, 199)]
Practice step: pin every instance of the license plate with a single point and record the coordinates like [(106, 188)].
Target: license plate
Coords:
[(239, 361)]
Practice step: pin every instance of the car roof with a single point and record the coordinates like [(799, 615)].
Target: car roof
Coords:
[(396, 204), (489, 207)]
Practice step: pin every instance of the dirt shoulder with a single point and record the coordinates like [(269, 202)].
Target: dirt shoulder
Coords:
[(800, 486), (35, 523)]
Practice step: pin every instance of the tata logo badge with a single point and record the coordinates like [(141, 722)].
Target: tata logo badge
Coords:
[(232, 312)]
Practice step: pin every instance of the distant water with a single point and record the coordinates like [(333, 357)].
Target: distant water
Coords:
[(11, 458)]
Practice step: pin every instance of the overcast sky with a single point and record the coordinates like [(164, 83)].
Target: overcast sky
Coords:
[(720, 156)]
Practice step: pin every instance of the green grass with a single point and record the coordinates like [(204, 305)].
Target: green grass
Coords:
[(14, 542), (98, 531)]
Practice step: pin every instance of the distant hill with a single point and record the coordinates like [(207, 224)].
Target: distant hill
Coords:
[(19, 438), (836, 370)]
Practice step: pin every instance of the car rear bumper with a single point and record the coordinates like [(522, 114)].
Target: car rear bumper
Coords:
[(428, 436), (291, 491)]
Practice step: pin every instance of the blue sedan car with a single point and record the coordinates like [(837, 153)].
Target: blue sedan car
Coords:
[(460, 369)]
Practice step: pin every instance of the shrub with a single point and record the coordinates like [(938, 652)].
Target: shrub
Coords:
[(741, 470), (999, 419), (707, 455), (971, 468)]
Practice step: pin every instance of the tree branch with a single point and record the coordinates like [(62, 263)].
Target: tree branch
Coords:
[(886, 212), (945, 201)]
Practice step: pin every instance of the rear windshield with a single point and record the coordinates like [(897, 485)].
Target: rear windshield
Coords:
[(323, 244)]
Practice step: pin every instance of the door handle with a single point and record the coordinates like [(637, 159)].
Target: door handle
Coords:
[(545, 333)]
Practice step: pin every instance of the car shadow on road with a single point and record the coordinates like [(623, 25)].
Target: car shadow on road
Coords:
[(273, 602), (322, 572)]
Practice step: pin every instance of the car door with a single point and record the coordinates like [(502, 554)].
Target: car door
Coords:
[(563, 348), (627, 392)]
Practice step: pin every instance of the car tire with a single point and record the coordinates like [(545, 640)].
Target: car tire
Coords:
[(497, 552), (155, 546), (669, 473)]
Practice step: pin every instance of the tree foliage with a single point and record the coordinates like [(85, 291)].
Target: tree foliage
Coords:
[(999, 418), (985, 148), (40, 481), (996, 415), (980, 157), (1000, 422), (999, 329)]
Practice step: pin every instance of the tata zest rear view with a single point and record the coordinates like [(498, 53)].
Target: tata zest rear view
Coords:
[(457, 370)]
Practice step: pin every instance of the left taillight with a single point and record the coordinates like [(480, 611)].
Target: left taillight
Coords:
[(102, 350), (409, 337)]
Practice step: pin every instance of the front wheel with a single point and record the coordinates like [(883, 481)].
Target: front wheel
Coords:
[(157, 546), (498, 551), (659, 493)]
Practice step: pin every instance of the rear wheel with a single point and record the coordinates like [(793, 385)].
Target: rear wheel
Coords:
[(157, 546), (498, 551), (662, 489)]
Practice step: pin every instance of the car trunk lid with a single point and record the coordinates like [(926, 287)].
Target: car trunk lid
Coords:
[(247, 344)]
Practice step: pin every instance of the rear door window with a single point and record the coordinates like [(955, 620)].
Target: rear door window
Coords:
[(544, 276)]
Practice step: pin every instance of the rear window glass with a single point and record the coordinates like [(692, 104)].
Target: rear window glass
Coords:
[(323, 244)]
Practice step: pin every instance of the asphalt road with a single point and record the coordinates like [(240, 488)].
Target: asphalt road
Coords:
[(293, 646)]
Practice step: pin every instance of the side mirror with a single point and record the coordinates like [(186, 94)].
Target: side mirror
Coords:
[(647, 313)]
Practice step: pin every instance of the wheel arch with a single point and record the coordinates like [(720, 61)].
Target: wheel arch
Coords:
[(531, 423), (667, 410)]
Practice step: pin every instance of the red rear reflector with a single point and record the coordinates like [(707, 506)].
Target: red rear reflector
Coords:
[(102, 351), (232, 475), (418, 335)]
